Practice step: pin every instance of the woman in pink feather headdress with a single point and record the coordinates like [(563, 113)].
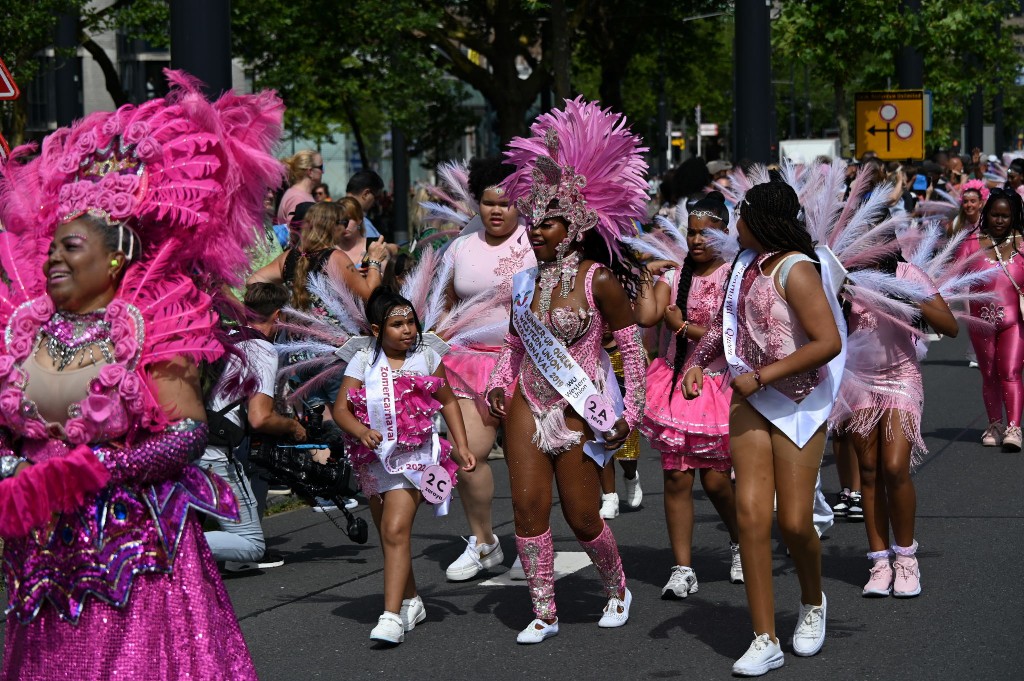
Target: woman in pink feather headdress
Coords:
[(114, 238), (579, 183)]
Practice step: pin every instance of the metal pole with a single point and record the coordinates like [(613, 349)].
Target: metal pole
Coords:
[(400, 180), (753, 80), (910, 62), (699, 136), (201, 42)]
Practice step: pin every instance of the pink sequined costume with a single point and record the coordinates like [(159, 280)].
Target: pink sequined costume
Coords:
[(1000, 348), (107, 570), (691, 433), (767, 330), (415, 408), (883, 372)]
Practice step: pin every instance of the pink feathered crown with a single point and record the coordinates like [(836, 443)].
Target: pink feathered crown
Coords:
[(974, 186), (582, 164), (179, 168)]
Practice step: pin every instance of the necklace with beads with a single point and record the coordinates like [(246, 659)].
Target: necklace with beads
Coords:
[(83, 335), (562, 271)]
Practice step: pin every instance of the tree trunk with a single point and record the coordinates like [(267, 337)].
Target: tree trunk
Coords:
[(511, 115), (842, 118), (357, 133), (561, 57), (111, 78)]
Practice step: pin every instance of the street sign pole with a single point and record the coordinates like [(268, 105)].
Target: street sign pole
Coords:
[(8, 92), (699, 136)]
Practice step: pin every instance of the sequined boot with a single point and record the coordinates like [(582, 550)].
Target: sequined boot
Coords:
[(538, 558), (604, 552)]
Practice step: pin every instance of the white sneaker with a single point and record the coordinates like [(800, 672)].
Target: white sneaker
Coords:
[(516, 572), (536, 631), (412, 613), (389, 629), (736, 569), (634, 495), (475, 558), (761, 657), (810, 629), (616, 612), (681, 583), (609, 506)]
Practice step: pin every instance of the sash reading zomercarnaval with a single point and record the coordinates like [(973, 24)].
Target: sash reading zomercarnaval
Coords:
[(797, 420), (554, 361), (380, 406)]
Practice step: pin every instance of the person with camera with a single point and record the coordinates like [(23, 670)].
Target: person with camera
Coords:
[(240, 545)]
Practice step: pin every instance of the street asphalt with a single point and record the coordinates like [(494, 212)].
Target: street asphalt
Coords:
[(311, 618)]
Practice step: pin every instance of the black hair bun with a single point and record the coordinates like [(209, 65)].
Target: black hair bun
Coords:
[(715, 196)]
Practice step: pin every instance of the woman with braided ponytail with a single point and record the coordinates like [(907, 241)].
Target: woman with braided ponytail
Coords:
[(779, 328), (692, 435)]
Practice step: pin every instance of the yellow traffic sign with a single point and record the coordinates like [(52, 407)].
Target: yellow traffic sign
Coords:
[(891, 124)]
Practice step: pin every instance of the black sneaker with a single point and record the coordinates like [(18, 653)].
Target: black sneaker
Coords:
[(269, 559), (842, 507), (855, 512)]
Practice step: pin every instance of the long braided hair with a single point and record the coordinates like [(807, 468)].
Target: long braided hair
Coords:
[(714, 202), (773, 214), (1016, 214), (626, 268)]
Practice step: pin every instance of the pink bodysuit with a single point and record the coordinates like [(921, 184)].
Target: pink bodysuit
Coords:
[(1000, 350)]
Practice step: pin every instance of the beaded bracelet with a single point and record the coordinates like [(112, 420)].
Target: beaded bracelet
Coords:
[(374, 263), (682, 329)]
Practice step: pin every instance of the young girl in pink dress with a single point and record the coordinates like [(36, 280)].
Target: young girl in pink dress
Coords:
[(692, 435), (1000, 350), (415, 391), (884, 403)]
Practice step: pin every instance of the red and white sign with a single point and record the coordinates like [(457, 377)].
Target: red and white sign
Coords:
[(8, 88), (5, 150)]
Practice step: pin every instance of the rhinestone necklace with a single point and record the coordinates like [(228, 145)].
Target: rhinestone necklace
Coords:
[(562, 271), (69, 334)]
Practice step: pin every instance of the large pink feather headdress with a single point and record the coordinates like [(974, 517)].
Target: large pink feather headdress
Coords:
[(583, 164)]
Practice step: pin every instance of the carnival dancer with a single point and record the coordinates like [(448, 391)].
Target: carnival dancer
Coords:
[(692, 435), (579, 184), (783, 338), (1000, 348), (107, 232), (483, 260), (394, 384)]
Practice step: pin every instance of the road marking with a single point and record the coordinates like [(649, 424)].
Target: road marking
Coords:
[(566, 563)]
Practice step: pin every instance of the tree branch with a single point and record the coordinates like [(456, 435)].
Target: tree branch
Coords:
[(110, 76)]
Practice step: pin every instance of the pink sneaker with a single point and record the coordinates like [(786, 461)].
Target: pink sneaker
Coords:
[(907, 582), (880, 584)]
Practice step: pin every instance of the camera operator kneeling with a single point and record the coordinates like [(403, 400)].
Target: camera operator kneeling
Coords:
[(241, 545)]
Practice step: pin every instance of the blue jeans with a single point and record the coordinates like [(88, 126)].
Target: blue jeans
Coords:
[(241, 541)]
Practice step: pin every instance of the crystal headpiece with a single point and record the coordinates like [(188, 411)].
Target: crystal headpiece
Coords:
[(399, 311)]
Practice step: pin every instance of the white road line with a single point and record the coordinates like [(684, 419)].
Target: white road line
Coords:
[(566, 563)]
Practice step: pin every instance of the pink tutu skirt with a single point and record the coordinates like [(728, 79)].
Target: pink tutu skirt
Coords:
[(415, 407), (688, 433), (468, 371)]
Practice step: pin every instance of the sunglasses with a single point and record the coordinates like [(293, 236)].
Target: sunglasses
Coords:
[(319, 167)]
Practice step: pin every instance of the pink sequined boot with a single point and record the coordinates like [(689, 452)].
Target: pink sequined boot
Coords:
[(604, 552), (538, 558)]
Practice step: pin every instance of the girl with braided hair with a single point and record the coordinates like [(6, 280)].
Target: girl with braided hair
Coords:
[(779, 328), (692, 435), (1000, 350)]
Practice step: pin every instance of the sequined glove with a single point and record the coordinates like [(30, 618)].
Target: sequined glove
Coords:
[(709, 348), (634, 371), (510, 360), (157, 457)]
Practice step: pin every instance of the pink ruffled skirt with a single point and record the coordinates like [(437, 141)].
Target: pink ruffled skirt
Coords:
[(688, 433), (468, 371), (174, 626)]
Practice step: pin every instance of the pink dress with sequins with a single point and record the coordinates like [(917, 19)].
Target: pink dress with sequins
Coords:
[(691, 433), (768, 331), (581, 332), (883, 372)]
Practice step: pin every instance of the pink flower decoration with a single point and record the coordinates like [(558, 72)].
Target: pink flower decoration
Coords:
[(136, 131), (111, 375), (104, 200), (148, 149), (10, 402), (97, 408), (111, 126), (76, 431), (124, 349), (86, 143), (34, 430), (130, 387), (20, 347), (41, 309), (6, 364), (122, 205), (117, 308), (68, 163)]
